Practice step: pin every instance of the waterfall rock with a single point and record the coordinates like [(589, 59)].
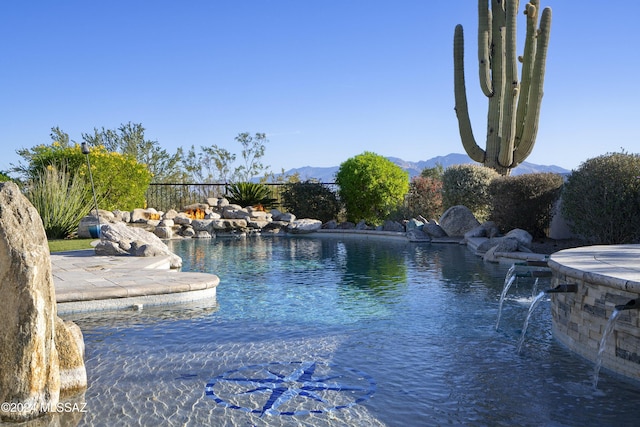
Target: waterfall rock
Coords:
[(30, 362), (144, 215), (457, 220)]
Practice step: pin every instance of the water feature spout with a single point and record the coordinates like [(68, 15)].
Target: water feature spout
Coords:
[(633, 304), (532, 307), (608, 330), (508, 281), (535, 273), (563, 288), (534, 263)]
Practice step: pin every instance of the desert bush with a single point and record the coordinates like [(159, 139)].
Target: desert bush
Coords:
[(120, 181), (525, 201), (601, 199), (468, 185), (424, 197), (371, 187), (311, 199), (60, 199), (250, 194)]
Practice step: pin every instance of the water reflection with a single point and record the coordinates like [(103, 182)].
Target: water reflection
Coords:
[(418, 318)]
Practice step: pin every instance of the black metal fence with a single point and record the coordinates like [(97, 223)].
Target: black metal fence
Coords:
[(175, 196)]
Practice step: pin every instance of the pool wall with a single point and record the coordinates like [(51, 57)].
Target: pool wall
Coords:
[(579, 319)]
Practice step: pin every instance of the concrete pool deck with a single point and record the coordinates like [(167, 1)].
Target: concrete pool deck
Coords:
[(86, 282), (616, 265)]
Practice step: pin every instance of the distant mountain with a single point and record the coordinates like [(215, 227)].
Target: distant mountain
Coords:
[(328, 174)]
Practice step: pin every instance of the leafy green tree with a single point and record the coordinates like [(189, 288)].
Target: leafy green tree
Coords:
[(253, 149), (435, 172), (371, 187), (120, 181), (211, 164), (39, 158), (4, 177), (214, 163), (129, 140)]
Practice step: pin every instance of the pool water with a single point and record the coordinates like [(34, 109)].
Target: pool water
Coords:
[(334, 331)]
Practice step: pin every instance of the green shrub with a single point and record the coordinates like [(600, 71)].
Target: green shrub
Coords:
[(311, 200), (4, 177), (250, 194), (120, 181), (601, 199), (371, 187), (525, 201), (424, 197), (61, 201), (468, 185)]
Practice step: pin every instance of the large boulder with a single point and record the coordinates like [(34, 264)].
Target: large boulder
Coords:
[(433, 229), (487, 229), (30, 362), (417, 235), (70, 346), (120, 239), (144, 215), (457, 220), (522, 236), (303, 226)]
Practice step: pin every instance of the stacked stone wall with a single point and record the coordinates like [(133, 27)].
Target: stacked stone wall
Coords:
[(579, 320)]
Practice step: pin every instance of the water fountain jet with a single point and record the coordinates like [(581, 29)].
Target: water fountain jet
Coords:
[(633, 304), (563, 288)]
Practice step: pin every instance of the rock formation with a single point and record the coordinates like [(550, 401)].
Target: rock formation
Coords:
[(117, 238), (29, 359), (457, 220)]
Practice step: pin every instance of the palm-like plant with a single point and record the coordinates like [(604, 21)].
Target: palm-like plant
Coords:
[(250, 194)]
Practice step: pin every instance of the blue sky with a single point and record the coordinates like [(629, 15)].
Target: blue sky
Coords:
[(326, 80)]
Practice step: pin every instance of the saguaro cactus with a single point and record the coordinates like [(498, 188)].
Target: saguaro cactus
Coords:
[(514, 107)]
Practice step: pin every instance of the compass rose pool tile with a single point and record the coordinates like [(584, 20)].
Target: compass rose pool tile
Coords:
[(333, 331)]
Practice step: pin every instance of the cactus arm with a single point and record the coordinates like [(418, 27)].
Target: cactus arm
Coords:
[(484, 47), (511, 85), (494, 115), (531, 11), (462, 109), (536, 91)]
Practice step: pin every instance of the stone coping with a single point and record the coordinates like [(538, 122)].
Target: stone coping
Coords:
[(617, 266), (85, 282)]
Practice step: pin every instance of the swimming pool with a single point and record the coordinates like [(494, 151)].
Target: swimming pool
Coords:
[(342, 331)]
